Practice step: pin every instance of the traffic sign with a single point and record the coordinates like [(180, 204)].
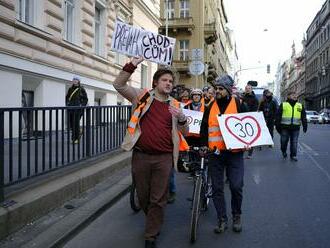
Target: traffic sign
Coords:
[(197, 54), (196, 68)]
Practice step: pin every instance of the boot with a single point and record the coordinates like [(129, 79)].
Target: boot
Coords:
[(237, 225), (150, 244), (221, 227)]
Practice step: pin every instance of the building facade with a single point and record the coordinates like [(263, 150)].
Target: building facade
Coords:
[(198, 25), (317, 60), (44, 43), (291, 75)]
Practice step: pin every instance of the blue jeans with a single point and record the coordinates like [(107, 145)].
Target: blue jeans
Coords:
[(172, 186), (234, 163), (292, 135)]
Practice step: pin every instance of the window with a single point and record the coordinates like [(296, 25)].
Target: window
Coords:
[(69, 20), (97, 30), (184, 49), (144, 76), (184, 8), (100, 29), (120, 59), (26, 11), (169, 9)]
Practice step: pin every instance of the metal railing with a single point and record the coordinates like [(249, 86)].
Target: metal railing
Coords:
[(35, 141)]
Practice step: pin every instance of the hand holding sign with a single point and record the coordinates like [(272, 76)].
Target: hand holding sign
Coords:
[(137, 60), (194, 119), (244, 130), (139, 42)]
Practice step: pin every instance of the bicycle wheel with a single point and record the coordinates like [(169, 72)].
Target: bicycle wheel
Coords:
[(195, 209), (133, 199)]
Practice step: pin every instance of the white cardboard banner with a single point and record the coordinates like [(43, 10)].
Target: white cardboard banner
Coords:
[(194, 119), (136, 42), (244, 129)]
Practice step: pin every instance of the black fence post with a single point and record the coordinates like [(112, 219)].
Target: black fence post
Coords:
[(2, 155), (88, 132)]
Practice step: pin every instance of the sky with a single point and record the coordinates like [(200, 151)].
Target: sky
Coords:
[(264, 32)]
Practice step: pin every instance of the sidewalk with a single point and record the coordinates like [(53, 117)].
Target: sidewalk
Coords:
[(64, 204)]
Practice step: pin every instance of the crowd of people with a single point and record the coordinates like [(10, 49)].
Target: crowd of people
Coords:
[(159, 130)]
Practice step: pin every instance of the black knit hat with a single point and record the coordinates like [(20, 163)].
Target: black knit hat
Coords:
[(225, 81)]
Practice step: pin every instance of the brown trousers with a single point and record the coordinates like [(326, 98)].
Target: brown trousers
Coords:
[(151, 173)]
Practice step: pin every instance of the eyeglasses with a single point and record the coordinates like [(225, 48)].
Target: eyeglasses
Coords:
[(219, 88)]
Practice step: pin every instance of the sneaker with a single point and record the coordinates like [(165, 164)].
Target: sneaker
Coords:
[(221, 227), (284, 154), (294, 158), (237, 225), (248, 156), (171, 198), (150, 244), (76, 141)]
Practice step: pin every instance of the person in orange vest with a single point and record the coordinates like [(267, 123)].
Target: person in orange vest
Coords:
[(196, 105), (154, 135), (222, 158)]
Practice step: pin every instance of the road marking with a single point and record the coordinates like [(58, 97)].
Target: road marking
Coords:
[(317, 164), (307, 147), (256, 178)]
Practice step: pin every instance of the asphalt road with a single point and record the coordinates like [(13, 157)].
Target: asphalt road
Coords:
[(286, 205)]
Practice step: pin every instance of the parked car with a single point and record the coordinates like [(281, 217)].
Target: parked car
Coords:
[(312, 116), (325, 110), (324, 118)]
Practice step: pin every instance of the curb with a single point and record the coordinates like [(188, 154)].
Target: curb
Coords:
[(62, 231), (35, 202)]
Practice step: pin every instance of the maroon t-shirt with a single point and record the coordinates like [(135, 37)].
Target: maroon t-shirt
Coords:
[(156, 127)]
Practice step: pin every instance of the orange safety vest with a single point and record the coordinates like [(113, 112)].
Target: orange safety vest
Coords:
[(215, 136), (143, 99)]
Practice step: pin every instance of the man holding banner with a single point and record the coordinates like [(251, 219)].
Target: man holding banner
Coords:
[(154, 134), (211, 137)]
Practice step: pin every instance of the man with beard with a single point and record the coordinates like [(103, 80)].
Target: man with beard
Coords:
[(211, 137), (290, 116), (154, 135)]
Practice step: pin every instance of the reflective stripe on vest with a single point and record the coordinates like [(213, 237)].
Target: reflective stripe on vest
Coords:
[(291, 115), (137, 113), (215, 137)]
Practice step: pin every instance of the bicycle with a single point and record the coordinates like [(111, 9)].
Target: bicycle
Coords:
[(133, 198), (202, 191)]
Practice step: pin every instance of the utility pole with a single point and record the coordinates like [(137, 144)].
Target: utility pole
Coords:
[(166, 22)]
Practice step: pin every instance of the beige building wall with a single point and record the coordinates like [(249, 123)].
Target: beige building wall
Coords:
[(40, 49)]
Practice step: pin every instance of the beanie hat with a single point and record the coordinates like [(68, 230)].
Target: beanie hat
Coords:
[(76, 78), (225, 81)]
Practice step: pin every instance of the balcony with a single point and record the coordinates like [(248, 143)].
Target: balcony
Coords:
[(210, 33), (209, 29), (178, 24), (181, 66)]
